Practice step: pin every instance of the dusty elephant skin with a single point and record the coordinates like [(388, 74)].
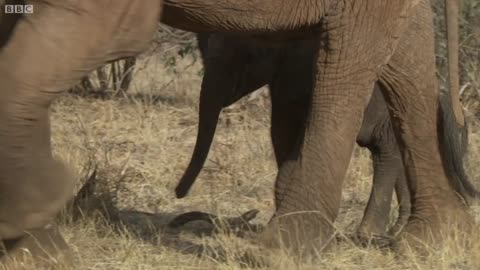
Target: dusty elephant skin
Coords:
[(236, 66), (363, 41), (35, 67)]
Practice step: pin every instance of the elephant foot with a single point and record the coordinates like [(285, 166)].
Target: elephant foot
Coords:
[(370, 229), (424, 233), (302, 235), (402, 220), (253, 259), (237, 225), (396, 229), (44, 246), (372, 232)]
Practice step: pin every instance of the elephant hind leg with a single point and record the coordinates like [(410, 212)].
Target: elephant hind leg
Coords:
[(404, 204), (378, 136), (412, 95), (377, 212)]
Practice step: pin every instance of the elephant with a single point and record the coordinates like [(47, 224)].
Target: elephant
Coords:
[(357, 43), (236, 65)]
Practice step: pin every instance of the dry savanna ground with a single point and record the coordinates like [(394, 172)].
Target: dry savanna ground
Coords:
[(141, 143)]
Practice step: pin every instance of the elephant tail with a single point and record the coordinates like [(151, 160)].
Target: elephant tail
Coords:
[(454, 129), (208, 119), (454, 145), (452, 18)]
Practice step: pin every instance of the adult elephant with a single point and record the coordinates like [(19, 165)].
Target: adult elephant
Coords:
[(42, 55), (50, 50), (236, 65), (361, 42)]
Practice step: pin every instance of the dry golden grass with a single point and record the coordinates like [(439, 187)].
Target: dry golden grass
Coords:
[(141, 145)]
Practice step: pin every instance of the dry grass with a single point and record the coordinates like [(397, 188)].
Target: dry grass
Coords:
[(141, 144)]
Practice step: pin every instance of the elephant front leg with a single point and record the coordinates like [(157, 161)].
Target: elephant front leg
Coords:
[(47, 53), (46, 243), (308, 186), (33, 185)]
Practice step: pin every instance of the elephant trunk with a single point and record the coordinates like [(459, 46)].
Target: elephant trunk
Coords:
[(202, 41), (212, 100)]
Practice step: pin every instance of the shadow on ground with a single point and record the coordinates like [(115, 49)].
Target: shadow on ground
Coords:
[(182, 232)]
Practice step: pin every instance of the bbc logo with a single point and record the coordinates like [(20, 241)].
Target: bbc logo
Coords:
[(19, 9)]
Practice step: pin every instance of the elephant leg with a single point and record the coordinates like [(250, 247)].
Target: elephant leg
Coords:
[(42, 243), (308, 187), (412, 95), (33, 185), (290, 91), (387, 164), (378, 136), (287, 124), (404, 204)]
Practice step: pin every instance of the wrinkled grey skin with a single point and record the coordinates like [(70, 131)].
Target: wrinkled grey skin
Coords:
[(356, 48), (235, 66), (362, 42), (42, 55)]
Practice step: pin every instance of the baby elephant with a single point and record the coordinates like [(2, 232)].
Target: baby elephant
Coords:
[(237, 65)]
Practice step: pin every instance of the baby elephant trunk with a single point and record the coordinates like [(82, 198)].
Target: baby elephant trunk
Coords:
[(210, 107)]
